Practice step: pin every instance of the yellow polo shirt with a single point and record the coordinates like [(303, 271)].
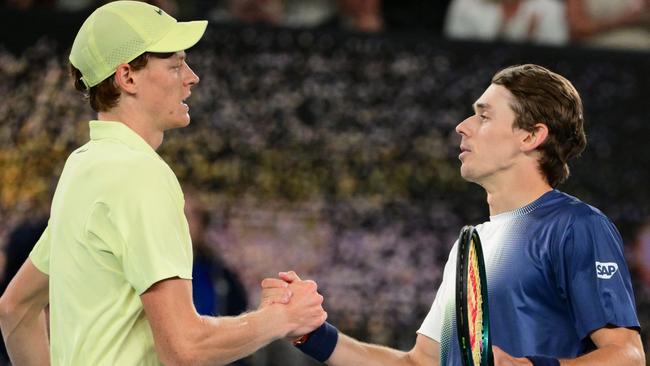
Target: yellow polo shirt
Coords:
[(116, 227)]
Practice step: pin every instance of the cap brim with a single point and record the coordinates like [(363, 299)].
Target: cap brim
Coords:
[(183, 36)]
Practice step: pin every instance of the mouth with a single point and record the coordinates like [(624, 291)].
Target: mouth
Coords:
[(183, 102), (464, 150)]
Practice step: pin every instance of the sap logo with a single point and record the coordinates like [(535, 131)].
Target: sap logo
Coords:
[(606, 270)]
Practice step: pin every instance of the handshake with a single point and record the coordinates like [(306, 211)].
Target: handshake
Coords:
[(298, 309), (298, 299)]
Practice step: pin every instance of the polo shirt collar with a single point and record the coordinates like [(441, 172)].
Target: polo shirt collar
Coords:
[(100, 130)]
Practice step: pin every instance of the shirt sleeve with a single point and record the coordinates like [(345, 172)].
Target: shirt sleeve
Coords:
[(40, 254), (433, 323), (593, 276), (155, 239)]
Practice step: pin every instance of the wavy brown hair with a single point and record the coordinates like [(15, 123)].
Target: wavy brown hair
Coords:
[(542, 96)]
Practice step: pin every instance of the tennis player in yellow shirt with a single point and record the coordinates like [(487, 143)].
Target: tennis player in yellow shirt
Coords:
[(115, 262)]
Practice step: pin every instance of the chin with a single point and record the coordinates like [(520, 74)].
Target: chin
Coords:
[(180, 123), (464, 171), (467, 174)]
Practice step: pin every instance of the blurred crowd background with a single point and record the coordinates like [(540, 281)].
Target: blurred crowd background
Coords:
[(322, 139)]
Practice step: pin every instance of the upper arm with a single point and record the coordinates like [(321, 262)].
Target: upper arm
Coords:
[(592, 275), (27, 291), (170, 311), (425, 352)]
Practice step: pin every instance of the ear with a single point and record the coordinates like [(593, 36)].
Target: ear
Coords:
[(532, 139), (125, 79)]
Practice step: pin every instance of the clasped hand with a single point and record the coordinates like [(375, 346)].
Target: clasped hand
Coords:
[(301, 302)]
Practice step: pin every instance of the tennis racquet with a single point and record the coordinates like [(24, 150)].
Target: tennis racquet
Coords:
[(472, 310)]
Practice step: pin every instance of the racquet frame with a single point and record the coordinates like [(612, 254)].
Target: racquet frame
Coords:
[(469, 236)]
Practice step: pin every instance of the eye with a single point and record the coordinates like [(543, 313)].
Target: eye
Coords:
[(483, 117)]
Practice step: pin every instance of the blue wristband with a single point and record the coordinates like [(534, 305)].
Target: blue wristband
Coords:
[(321, 342), (543, 361)]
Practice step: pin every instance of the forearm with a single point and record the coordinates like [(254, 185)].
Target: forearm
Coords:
[(25, 337), (22, 317), (222, 340), (349, 351)]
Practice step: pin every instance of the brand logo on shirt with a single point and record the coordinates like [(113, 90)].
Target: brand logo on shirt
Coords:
[(606, 270)]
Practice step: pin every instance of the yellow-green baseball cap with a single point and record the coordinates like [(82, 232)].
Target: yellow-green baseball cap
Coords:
[(120, 31)]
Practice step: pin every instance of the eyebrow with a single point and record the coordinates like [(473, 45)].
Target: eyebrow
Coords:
[(482, 106), (180, 56)]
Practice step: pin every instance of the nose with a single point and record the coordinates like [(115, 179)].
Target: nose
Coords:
[(192, 78), (462, 128)]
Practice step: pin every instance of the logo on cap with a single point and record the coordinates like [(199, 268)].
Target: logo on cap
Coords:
[(158, 11)]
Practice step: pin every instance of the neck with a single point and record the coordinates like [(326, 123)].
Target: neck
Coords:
[(513, 192), (136, 121), (504, 201)]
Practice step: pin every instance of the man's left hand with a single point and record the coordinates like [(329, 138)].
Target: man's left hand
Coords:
[(503, 359)]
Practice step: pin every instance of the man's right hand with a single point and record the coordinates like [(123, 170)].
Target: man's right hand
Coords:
[(302, 302)]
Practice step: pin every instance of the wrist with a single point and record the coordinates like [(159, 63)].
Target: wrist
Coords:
[(543, 361), (274, 317), (300, 340), (320, 343)]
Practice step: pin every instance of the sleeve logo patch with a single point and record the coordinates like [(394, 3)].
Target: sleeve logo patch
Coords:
[(606, 270)]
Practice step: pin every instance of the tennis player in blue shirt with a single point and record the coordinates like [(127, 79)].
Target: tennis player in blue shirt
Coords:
[(559, 288)]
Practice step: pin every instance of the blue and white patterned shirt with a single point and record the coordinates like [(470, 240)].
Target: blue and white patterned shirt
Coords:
[(556, 272)]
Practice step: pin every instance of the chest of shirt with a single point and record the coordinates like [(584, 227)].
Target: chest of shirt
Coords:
[(520, 264)]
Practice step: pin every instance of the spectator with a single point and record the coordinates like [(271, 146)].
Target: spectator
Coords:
[(533, 21), (613, 24)]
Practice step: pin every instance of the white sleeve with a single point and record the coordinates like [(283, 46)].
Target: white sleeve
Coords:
[(432, 324)]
